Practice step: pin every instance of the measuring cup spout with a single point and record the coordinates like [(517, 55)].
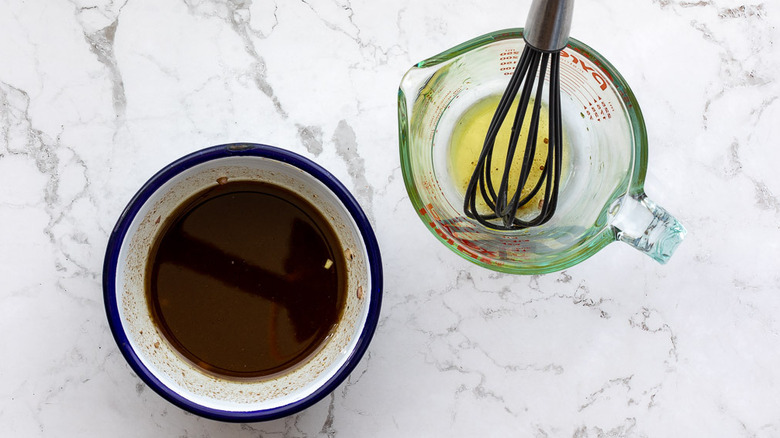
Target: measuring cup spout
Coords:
[(647, 227)]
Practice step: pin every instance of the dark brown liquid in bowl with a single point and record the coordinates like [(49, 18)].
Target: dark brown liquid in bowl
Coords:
[(246, 279)]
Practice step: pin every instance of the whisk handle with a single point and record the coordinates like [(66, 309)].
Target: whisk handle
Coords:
[(548, 24)]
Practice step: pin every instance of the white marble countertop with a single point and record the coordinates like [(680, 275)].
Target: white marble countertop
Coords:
[(96, 96)]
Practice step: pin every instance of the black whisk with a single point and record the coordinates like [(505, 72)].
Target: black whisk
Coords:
[(546, 34)]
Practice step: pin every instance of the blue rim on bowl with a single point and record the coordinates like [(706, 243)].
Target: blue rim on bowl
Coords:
[(234, 150)]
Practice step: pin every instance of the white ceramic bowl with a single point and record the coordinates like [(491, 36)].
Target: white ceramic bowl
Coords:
[(159, 365)]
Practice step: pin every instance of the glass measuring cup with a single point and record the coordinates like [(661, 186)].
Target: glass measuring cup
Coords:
[(602, 196)]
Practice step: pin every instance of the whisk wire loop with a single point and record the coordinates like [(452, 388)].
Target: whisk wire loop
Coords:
[(556, 127), (501, 208), (481, 176), (509, 212), (481, 173), (530, 74)]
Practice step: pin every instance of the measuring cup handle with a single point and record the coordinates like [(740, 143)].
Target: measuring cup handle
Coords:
[(647, 227)]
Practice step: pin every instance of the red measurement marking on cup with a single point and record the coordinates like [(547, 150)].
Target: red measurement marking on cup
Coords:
[(427, 184), (598, 110), (574, 84), (586, 86), (439, 109), (597, 77), (623, 94), (516, 247), (459, 235), (507, 61)]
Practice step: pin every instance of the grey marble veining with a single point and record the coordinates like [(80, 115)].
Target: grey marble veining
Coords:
[(96, 96)]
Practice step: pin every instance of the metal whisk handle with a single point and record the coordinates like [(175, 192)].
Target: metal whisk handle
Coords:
[(548, 24)]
